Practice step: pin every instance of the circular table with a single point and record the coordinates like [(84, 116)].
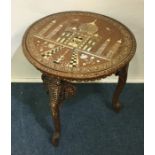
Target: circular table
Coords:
[(78, 46)]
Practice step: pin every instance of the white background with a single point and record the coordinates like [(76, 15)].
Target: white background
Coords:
[(24, 13)]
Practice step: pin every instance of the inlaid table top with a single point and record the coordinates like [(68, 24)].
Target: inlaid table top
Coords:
[(78, 45)]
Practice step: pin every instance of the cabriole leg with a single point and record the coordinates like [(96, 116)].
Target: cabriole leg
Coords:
[(58, 91), (54, 87), (122, 74)]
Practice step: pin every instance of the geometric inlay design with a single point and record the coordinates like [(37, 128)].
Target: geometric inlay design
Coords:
[(78, 42)]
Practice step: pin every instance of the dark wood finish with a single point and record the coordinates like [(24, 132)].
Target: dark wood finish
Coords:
[(76, 46), (58, 91), (122, 74)]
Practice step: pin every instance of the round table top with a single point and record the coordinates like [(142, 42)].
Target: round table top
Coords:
[(78, 45)]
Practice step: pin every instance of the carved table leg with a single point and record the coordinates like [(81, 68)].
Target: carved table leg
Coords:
[(54, 88), (122, 73), (58, 91)]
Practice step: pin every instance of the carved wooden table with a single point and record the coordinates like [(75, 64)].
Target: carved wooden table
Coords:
[(78, 46)]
